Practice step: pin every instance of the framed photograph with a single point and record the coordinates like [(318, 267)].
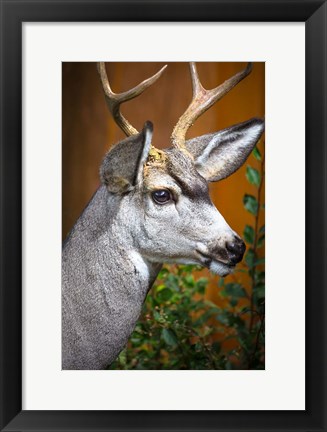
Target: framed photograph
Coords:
[(201, 309), (205, 350)]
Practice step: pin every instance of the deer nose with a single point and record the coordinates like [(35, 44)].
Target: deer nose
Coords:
[(236, 249)]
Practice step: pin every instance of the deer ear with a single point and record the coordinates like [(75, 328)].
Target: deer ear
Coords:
[(122, 167), (220, 154)]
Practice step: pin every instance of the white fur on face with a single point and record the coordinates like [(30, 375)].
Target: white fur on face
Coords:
[(220, 269)]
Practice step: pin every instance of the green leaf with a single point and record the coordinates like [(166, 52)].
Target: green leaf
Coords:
[(158, 317), (261, 241), (223, 318), (235, 290), (188, 268), (202, 281), (164, 294), (216, 346), (256, 153), (262, 229), (204, 317), (250, 258), (163, 272), (253, 176), (169, 337), (233, 301), (251, 204), (172, 282), (260, 261), (248, 234), (221, 282), (259, 276), (201, 285), (260, 290), (189, 280), (122, 358)]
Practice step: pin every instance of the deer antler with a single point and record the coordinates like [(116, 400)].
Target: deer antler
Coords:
[(202, 100), (114, 100)]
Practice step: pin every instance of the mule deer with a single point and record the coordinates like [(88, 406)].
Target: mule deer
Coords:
[(153, 207)]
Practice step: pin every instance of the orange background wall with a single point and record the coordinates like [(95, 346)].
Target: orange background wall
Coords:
[(88, 130)]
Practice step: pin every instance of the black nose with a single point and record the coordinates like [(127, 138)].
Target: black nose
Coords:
[(236, 249)]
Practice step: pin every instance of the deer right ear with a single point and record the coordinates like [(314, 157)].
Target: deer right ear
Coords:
[(220, 154), (122, 167)]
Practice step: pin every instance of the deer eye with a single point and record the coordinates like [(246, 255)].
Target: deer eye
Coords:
[(161, 196)]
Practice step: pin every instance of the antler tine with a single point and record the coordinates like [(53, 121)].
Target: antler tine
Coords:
[(114, 100), (196, 84), (202, 100)]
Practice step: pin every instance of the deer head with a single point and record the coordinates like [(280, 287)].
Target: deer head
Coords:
[(165, 192)]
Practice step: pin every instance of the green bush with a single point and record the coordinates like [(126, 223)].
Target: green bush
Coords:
[(180, 329)]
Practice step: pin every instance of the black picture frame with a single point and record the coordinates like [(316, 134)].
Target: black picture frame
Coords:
[(13, 14)]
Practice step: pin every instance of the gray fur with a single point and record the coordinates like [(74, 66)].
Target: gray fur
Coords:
[(102, 290), (115, 251)]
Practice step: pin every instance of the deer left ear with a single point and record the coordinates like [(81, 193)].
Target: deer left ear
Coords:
[(220, 154), (122, 167)]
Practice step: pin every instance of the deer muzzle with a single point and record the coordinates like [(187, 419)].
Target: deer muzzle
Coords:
[(222, 259), (235, 250)]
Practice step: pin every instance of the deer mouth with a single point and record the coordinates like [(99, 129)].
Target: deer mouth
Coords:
[(214, 264)]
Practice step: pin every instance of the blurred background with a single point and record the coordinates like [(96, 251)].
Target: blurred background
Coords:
[(88, 131)]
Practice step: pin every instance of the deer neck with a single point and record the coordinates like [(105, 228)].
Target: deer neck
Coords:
[(105, 271)]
